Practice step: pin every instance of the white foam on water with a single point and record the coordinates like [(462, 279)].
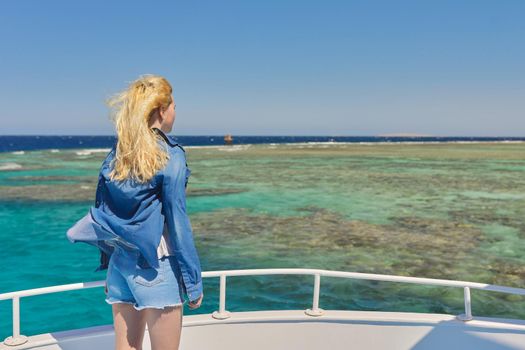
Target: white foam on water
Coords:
[(87, 152), (195, 147), (234, 148), (54, 150), (18, 152), (10, 166), (226, 148)]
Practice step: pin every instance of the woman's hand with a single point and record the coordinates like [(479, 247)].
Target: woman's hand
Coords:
[(196, 303)]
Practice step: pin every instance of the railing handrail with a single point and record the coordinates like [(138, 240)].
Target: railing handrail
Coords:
[(288, 271), (51, 289), (369, 277), (18, 339)]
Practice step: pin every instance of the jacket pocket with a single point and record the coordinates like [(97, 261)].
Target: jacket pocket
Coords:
[(149, 277)]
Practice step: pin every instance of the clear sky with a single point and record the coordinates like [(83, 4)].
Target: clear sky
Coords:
[(269, 67)]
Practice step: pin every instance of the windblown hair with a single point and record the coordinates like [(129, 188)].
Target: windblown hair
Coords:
[(138, 155)]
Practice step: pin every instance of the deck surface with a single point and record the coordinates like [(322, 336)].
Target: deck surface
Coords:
[(292, 329)]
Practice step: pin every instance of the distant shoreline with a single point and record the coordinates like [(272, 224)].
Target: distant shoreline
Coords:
[(85, 151), (28, 143), (356, 143), (408, 135)]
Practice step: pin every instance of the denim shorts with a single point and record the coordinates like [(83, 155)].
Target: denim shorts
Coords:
[(128, 282)]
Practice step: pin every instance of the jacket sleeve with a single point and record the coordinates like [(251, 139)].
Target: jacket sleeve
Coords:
[(180, 231)]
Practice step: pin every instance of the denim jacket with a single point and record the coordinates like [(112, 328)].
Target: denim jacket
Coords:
[(132, 215)]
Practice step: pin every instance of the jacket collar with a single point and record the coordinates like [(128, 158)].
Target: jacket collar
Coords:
[(165, 137)]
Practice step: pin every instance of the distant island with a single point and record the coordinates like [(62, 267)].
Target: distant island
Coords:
[(404, 135)]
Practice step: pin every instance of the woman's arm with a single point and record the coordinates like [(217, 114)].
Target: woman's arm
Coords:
[(179, 227)]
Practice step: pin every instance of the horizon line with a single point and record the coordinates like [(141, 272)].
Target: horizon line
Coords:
[(280, 135)]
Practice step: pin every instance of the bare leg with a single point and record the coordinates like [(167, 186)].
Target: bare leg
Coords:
[(164, 327), (130, 325)]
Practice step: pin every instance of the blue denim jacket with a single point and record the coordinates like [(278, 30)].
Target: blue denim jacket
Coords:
[(131, 215)]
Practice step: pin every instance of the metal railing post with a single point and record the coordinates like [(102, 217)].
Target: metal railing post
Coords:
[(315, 310), (16, 338), (467, 316), (222, 313)]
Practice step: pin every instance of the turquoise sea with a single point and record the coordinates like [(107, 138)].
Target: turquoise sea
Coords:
[(437, 210)]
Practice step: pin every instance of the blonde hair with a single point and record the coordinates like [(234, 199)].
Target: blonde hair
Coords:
[(138, 155)]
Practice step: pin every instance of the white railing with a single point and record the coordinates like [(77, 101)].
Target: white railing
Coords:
[(222, 313)]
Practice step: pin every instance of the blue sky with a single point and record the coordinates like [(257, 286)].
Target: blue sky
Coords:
[(269, 67)]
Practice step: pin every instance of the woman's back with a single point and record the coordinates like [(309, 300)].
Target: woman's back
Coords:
[(128, 199)]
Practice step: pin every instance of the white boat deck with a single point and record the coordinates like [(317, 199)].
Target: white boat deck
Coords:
[(313, 328), (293, 329)]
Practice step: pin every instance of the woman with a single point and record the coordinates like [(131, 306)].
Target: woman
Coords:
[(140, 223)]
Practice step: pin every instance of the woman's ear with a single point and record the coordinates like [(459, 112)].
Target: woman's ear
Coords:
[(162, 113)]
